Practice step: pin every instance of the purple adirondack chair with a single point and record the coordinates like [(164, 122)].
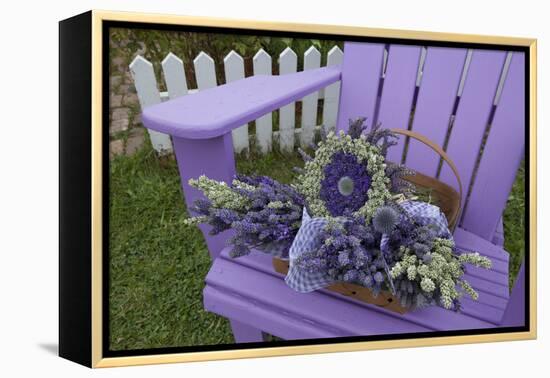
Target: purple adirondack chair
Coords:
[(255, 298)]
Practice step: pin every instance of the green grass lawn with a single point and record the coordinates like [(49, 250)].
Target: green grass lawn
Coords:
[(158, 264), (514, 224)]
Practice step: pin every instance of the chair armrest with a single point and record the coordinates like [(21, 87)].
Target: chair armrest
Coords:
[(216, 111)]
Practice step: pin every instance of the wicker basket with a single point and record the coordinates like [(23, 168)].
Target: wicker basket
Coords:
[(446, 197), (385, 299)]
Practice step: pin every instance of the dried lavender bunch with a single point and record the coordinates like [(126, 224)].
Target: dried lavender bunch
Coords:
[(427, 266), (427, 281), (221, 206), (264, 213), (356, 127), (383, 138), (418, 240), (349, 251), (397, 174)]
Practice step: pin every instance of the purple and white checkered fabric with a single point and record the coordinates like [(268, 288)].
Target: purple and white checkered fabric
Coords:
[(426, 214), (306, 240)]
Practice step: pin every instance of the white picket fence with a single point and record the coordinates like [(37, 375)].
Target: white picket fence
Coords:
[(205, 73)]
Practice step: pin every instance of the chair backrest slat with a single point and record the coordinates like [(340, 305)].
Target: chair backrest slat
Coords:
[(472, 115), (453, 107), (361, 73), (502, 155), (436, 98), (398, 92)]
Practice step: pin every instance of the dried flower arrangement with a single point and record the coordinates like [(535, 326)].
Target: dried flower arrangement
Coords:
[(351, 217)]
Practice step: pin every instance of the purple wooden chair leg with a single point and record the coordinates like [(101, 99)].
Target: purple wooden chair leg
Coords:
[(214, 158), (211, 157), (244, 333), (498, 237), (514, 315)]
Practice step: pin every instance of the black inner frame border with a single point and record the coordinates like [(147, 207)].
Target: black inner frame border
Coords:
[(107, 352)]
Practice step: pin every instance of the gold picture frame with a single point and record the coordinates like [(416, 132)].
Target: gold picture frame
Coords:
[(98, 18)]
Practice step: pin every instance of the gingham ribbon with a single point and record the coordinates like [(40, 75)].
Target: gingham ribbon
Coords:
[(426, 214), (307, 239)]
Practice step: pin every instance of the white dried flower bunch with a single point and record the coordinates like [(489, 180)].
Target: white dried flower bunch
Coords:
[(443, 271)]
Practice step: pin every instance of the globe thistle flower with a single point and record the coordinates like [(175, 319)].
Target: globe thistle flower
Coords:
[(385, 219)]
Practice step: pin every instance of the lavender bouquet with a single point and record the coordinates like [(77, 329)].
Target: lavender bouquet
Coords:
[(350, 216), (264, 213)]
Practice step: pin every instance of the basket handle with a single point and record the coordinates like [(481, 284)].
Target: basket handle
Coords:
[(421, 138)]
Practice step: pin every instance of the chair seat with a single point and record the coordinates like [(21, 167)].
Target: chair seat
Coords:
[(248, 289)]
